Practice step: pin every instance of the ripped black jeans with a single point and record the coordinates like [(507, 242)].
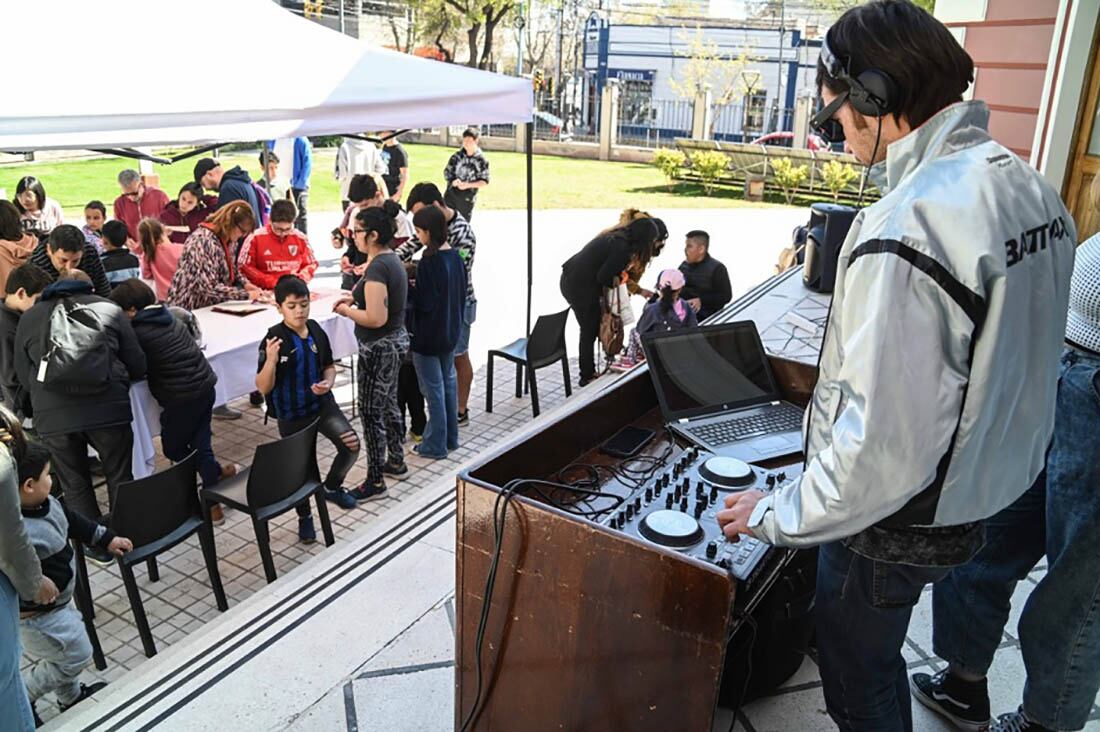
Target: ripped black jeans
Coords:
[(333, 425)]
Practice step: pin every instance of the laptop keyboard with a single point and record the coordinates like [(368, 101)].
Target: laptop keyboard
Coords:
[(771, 421)]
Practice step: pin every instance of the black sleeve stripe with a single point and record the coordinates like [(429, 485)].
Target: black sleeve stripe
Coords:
[(972, 304)]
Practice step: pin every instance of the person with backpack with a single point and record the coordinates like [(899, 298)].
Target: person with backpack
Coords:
[(232, 185), (76, 354), (66, 249)]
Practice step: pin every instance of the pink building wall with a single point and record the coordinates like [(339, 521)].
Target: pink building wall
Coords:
[(1010, 48)]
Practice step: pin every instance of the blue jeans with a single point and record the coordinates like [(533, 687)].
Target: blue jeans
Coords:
[(1060, 625), (439, 386), (469, 315), (15, 707), (862, 608)]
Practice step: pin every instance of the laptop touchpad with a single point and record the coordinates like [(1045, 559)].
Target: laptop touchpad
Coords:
[(769, 445)]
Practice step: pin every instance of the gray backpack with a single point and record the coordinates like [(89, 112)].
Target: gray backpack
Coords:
[(75, 356)]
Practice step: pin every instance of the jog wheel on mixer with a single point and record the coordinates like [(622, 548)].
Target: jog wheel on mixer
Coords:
[(727, 473), (671, 528)]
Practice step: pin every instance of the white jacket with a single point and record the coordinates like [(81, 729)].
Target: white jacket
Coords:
[(934, 404), (355, 157)]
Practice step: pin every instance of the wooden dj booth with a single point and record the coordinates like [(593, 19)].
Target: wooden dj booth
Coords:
[(589, 626)]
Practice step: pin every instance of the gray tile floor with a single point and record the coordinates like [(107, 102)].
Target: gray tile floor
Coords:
[(181, 602)]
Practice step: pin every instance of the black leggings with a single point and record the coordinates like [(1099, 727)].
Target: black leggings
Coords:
[(409, 398), (586, 307)]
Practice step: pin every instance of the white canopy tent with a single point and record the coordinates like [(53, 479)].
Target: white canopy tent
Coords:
[(140, 73), (158, 72)]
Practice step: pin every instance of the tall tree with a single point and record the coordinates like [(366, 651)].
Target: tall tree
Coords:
[(707, 66), (478, 16)]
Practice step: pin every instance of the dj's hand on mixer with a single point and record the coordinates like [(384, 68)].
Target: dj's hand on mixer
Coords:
[(678, 509)]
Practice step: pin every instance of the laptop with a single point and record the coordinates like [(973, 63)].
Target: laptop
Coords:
[(717, 390)]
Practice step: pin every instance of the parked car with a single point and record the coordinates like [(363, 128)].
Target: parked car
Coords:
[(786, 139)]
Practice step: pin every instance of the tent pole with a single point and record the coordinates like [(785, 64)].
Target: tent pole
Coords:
[(530, 221)]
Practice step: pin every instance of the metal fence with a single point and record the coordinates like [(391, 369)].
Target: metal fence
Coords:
[(736, 123), (648, 122)]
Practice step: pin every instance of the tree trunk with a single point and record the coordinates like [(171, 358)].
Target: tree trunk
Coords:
[(472, 35)]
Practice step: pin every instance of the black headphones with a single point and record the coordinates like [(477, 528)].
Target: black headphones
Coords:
[(872, 92)]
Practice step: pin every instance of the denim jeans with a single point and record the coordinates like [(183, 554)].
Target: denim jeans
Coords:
[(15, 707), (186, 427), (1060, 625), (332, 424), (863, 608), (439, 385), (59, 644)]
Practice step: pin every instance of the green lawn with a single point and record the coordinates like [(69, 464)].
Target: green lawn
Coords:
[(558, 182)]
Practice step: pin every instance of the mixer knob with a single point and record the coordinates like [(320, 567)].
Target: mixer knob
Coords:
[(664, 480), (781, 477), (648, 495), (701, 487), (699, 507), (704, 502), (668, 501), (714, 493), (686, 484), (770, 480), (638, 503), (712, 550), (629, 511), (684, 504)]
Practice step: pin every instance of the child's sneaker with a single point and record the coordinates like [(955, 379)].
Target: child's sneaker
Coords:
[(391, 468), (1017, 722), (306, 533), (415, 437), (366, 492), (341, 498), (86, 690), (964, 703)]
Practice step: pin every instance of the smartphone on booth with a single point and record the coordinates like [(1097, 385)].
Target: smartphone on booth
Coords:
[(627, 442)]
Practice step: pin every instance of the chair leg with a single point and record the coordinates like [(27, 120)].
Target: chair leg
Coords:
[(154, 570), (263, 540), (534, 390), (138, 608), (489, 386), (565, 376), (519, 381), (210, 556), (322, 513), (82, 595)]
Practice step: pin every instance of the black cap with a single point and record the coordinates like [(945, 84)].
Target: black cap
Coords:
[(203, 167)]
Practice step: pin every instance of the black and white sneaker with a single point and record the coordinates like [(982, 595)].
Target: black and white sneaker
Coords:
[(964, 703), (86, 690), (1017, 722)]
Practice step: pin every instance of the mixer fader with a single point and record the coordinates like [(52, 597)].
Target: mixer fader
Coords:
[(678, 509)]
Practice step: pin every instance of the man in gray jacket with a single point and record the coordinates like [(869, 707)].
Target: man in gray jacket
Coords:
[(934, 404)]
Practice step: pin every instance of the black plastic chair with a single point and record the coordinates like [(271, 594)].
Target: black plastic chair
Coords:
[(157, 513), (545, 347), (284, 474), (82, 595)]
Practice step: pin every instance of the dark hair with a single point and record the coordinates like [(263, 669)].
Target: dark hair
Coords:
[(98, 206), (67, 237), (432, 220), (928, 66), (471, 133), (12, 434), (203, 167), (362, 188), (11, 227), (115, 233), (32, 184), (640, 235), (32, 462), (379, 220), (284, 211), (290, 285), (668, 298), (662, 229), (195, 189), (425, 193), (701, 236), (30, 277), (271, 157), (150, 232), (133, 293)]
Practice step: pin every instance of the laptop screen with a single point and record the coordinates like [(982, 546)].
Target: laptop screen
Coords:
[(709, 369)]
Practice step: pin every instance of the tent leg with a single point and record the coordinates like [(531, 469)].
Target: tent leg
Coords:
[(529, 137)]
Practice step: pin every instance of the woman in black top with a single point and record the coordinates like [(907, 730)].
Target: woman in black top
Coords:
[(377, 306), (599, 266)]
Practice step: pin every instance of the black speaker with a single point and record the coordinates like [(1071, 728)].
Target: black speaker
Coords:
[(828, 228)]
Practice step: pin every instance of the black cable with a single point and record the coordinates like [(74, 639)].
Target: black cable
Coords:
[(748, 671)]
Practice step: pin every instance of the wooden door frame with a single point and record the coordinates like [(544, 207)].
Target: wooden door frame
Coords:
[(1080, 162)]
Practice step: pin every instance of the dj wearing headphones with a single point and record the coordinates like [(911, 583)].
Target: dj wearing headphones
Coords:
[(934, 404)]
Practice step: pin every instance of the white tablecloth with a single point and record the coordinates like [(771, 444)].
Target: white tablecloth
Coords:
[(231, 344)]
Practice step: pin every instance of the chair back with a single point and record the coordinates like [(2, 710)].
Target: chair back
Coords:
[(280, 468), (151, 508), (547, 341)]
